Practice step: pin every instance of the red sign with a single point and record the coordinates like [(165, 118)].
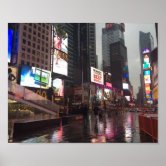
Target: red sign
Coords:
[(109, 84)]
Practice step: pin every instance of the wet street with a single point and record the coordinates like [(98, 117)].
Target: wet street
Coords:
[(122, 127)]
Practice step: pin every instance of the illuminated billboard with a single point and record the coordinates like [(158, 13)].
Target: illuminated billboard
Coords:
[(107, 94), (148, 96), (60, 62), (147, 88), (60, 39), (99, 93), (147, 79), (126, 75), (60, 51), (35, 77), (147, 72), (127, 98), (10, 39), (146, 66), (125, 86), (58, 87), (97, 76), (146, 51), (109, 84), (146, 59), (147, 92)]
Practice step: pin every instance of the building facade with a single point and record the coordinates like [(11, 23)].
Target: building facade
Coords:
[(32, 43)]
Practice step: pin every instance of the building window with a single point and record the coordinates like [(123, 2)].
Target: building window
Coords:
[(46, 68), (33, 52), (39, 28), (33, 58), (38, 60), (38, 34), (30, 24), (22, 62), (42, 48), (46, 56), (29, 50), (29, 36), (23, 48), (42, 36), (38, 53), (24, 34), (46, 32), (43, 25), (30, 30), (43, 31), (46, 44), (28, 63), (47, 38), (37, 65), (29, 43), (46, 63), (34, 38), (34, 25), (47, 50), (42, 61), (33, 64), (34, 32), (23, 55), (25, 28), (34, 45), (38, 40), (47, 27), (28, 57), (24, 41), (42, 43), (38, 47)]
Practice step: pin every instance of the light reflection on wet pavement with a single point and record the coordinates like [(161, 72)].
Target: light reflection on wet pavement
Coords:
[(111, 127)]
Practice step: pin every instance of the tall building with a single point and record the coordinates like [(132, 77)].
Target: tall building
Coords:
[(31, 45), (146, 43), (115, 54), (112, 33), (87, 48)]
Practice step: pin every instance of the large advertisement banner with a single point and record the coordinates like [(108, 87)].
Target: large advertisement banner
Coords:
[(60, 62), (58, 87), (60, 51), (35, 77), (97, 76)]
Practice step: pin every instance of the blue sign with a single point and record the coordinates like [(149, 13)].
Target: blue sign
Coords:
[(126, 75), (147, 72), (10, 39)]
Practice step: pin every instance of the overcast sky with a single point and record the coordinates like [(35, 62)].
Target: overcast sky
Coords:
[(132, 43)]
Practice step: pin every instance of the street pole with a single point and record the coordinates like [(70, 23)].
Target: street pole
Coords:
[(82, 81)]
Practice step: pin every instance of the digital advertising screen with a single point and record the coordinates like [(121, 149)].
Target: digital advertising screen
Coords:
[(60, 39), (35, 77), (147, 92), (147, 79), (146, 66), (147, 88), (107, 94), (146, 59), (97, 76), (125, 86), (126, 75), (109, 84), (146, 51), (99, 93), (127, 98), (60, 62), (58, 87), (10, 40), (148, 96), (147, 72)]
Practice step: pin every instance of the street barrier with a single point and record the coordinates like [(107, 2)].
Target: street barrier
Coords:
[(148, 123)]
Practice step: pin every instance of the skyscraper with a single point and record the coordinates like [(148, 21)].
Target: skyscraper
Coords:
[(115, 53), (146, 43)]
